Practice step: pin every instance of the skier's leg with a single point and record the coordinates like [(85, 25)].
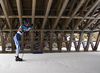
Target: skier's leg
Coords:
[(17, 48), (17, 45)]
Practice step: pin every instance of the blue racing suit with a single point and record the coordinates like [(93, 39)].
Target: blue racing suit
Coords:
[(21, 29)]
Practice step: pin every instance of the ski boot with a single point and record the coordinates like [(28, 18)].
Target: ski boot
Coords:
[(18, 59)]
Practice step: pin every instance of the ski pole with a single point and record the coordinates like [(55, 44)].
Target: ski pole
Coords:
[(25, 44)]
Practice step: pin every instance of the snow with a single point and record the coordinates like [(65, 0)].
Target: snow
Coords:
[(0, 48), (63, 48), (69, 62)]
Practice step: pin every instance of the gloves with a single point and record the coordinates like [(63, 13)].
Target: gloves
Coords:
[(31, 25)]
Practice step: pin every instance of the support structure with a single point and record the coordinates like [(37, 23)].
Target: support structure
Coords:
[(12, 42), (97, 42), (71, 39), (88, 41), (80, 41), (19, 10), (33, 11), (46, 14), (73, 14), (41, 42), (32, 41), (61, 41), (57, 22), (93, 6), (51, 40), (5, 13), (2, 42), (60, 13)]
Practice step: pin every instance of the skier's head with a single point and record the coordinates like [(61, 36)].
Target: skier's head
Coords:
[(26, 23)]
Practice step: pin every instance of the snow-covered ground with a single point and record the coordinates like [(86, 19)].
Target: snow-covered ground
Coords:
[(69, 62)]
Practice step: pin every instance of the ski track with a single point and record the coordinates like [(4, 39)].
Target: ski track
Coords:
[(73, 62)]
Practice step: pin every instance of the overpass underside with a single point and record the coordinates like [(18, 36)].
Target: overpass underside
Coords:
[(57, 24)]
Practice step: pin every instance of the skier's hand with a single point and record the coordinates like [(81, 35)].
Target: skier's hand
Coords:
[(31, 25)]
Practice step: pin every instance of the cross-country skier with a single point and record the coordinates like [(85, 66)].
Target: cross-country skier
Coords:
[(22, 28)]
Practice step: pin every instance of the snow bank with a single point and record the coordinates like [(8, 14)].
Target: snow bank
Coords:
[(69, 62)]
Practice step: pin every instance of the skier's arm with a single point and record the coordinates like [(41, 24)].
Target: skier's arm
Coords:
[(29, 27)]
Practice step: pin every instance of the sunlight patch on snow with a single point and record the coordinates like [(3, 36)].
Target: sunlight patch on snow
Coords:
[(99, 47), (64, 48), (0, 48)]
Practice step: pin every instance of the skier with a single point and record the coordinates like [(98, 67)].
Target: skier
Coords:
[(22, 28)]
